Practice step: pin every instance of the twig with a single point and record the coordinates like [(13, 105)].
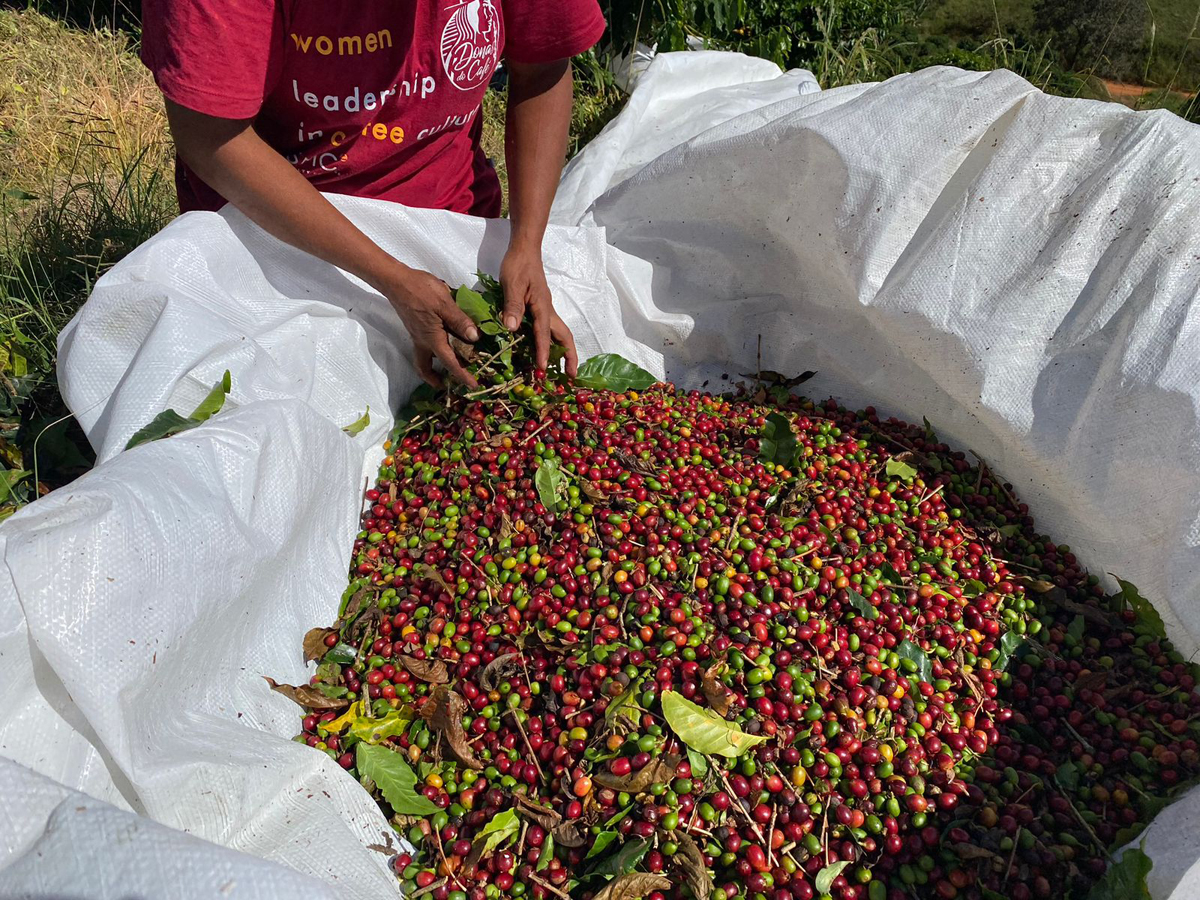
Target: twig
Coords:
[(771, 837), (733, 531), (736, 804), (529, 746), (548, 886), (540, 429), (508, 346), (1082, 821), (430, 888), (494, 389), (1011, 857)]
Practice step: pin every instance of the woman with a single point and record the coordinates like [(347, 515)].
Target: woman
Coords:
[(272, 101)]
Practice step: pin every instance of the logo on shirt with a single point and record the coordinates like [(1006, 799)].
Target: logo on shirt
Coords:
[(471, 43)]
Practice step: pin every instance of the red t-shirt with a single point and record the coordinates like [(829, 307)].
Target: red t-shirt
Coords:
[(366, 98)]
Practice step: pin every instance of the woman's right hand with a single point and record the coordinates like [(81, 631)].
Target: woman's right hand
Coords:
[(427, 309)]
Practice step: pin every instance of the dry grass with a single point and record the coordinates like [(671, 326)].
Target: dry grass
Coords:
[(72, 101)]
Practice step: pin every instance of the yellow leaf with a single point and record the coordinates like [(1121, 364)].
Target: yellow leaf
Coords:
[(342, 722)]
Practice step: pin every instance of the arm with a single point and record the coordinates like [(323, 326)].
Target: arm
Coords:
[(228, 155), (539, 117)]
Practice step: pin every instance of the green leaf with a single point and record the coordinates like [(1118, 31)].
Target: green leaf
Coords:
[(890, 575), (973, 587), (8, 480), (930, 434), (548, 480), (1009, 530), (330, 690), (1075, 629), (862, 604), (704, 730), (1008, 645), (777, 442), (547, 853), (698, 762), (359, 424), (211, 405), (624, 860), (825, 878), (1125, 879), (472, 303), (612, 372), (1146, 613), (989, 894), (165, 424), (898, 468), (910, 651), (601, 843), (502, 827), (341, 653), (376, 731), (1067, 777), (395, 780), (618, 816), (418, 401)]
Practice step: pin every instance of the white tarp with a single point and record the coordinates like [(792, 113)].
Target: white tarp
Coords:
[(1020, 269)]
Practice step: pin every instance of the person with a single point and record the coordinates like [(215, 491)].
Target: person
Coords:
[(271, 102)]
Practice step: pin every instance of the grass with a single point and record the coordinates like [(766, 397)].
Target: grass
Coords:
[(84, 178)]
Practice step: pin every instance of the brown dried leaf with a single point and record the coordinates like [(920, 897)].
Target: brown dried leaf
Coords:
[(502, 665), (506, 526), (443, 711), (690, 862), (314, 643), (567, 835), (429, 573), (432, 671), (1091, 681), (466, 352), (718, 696), (971, 851), (306, 695), (661, 769), (1093, 614), (593, 492), (535, 812), (633, 886), (354, 605)]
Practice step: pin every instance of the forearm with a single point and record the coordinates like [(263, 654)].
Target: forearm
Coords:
[(539, 119), (268, 189)]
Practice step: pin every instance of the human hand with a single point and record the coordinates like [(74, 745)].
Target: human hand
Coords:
[(428, 311), (523, 277)]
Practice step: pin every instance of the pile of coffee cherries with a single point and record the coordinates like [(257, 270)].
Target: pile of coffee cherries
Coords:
[(654, 643)]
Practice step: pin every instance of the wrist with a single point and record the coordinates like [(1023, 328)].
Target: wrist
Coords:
[(525, 242), (388, 275)]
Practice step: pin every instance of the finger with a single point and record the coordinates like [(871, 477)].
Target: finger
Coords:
[(562, 334), (424, 362), (541, 333), (458, 321), (514, 304), (449, 358)]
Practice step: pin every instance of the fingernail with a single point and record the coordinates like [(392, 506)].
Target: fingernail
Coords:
[(510, 323), (472, 334)]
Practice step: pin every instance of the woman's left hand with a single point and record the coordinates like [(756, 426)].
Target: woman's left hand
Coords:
[(523, 277)]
